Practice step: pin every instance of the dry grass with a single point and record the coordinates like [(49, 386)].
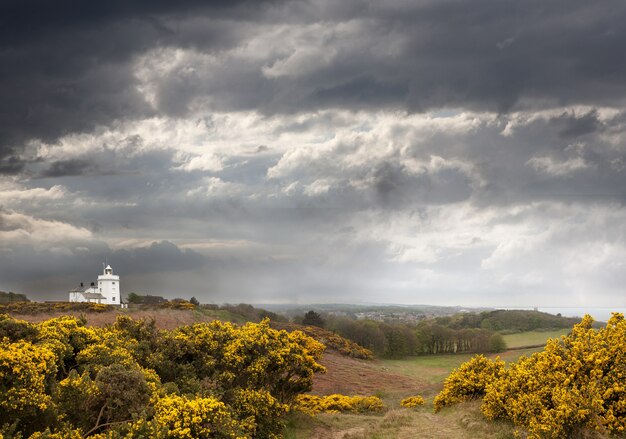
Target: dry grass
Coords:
[(463, 421)]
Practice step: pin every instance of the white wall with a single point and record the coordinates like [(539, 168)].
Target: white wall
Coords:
[(109, 287)]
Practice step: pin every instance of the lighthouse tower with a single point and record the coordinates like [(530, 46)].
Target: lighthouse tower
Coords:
[(109, 286)]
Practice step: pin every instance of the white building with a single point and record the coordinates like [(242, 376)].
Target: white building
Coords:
[(106, 290)]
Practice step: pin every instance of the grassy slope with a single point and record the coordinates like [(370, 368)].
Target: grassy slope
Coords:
[(532, 338)]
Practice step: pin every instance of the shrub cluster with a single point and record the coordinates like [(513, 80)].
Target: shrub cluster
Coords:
[(330, 340), (62, 379), (469, 381), (47, 307), (313, 404), (576, 384), (412, 401)]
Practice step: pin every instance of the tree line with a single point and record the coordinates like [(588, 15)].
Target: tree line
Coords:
[(12, 297), (428, 337), (508, 320)]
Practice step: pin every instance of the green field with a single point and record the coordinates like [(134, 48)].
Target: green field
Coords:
[(532, 338), (432, 369)]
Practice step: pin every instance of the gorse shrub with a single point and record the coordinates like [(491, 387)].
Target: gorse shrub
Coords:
[(185, 418), (469, 381), (330, 340), (412, 401), (128, 380), (576, 384), (336, 403), (26, 382)]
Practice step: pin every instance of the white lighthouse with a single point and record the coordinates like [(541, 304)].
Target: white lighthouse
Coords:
[(106, 290), (109, 286)]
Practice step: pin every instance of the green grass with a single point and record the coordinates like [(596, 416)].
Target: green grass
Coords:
[(532, 338), (432, 369)]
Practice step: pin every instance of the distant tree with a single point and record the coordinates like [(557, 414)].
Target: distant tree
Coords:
[(148, 299), (134, 298), (263, 314), (194, 301), (11, 297), (312, 318), (497, 343)]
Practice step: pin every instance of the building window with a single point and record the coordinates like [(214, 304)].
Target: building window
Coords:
[(113, 299), (113, 283)]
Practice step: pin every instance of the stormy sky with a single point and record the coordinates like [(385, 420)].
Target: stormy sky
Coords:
[(468, 152)]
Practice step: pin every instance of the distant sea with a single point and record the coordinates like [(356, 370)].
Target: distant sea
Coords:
[(599, 314)]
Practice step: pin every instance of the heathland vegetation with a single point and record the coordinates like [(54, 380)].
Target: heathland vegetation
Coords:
[(60, 378), (575, 385), (259, 376)]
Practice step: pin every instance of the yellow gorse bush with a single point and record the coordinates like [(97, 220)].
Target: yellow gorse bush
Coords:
[(576, 383), (66, 336), (60, 378), (412, 401), (469, 381), (194, 418), (313, 404), (253, 356), (330, 340), (26, 373)]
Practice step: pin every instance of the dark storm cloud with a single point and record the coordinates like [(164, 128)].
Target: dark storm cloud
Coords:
[(481, 55), (396, 188), (10, 165), (66, 65), (159, 256), (73, 167), (571, 126), (222, 127)]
